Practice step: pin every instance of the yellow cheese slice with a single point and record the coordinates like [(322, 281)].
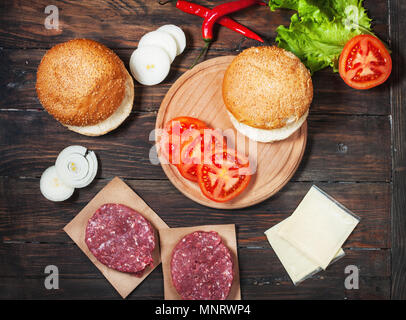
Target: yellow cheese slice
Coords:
[(298, 266), (318, 227)]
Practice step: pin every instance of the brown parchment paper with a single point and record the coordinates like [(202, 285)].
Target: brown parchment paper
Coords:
[(170, 237), (116, 192)]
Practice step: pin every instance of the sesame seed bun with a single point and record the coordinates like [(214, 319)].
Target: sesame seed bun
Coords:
[(116, 119), (81, 83), (267, 88)]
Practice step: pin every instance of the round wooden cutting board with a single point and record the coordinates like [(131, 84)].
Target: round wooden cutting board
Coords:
[(198, 93)]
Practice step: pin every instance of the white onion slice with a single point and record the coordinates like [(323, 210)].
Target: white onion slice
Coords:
[(160, 39), (150, 65), (76, 166), (178, 34), (53, 188)]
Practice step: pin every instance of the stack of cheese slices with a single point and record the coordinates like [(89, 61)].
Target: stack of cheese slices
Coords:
[(311, 238)]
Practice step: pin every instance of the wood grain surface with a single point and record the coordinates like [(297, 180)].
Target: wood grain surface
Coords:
[(355, 152), (399, 154)]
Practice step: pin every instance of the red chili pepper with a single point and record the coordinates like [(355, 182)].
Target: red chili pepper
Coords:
[(227, 22), (221, 11), (217, 13)]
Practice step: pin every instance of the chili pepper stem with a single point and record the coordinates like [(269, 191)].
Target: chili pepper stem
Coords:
[(202, 53), (162, 3)]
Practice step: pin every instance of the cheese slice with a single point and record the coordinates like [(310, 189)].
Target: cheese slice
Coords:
[(298, 266), (318, 227)]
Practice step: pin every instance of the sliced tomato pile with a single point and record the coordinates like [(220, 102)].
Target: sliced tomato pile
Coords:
[(365, 62), (175, 131), (197, 149), (225, 177), (201, 155)]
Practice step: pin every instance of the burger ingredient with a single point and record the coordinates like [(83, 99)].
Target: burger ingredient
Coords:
[(202, 267), (225, 177), (268, 135), (220, 11), (197, 148), (76, 166), (116, 119), (319, 30), (121, 238), (319, 227), (85, 86), (151, 61), (217, 13), (174, 132), (190, 145), (298, 266), (150, 65), (261, 111), (225, 21), (160, 39), (365, 63), (178, 34), (53, 188)]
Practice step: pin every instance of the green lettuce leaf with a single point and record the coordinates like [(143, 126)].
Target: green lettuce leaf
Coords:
[(320, 29)]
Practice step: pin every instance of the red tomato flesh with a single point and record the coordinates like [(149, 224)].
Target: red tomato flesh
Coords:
[(174, 133), (365, 62), (197, 149), (225, 177)]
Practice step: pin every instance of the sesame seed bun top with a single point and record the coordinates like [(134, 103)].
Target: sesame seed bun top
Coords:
[(267, 88), (81, 82)]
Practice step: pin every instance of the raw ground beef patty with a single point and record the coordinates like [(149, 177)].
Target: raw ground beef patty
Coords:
[(121, 238), (202, 267)]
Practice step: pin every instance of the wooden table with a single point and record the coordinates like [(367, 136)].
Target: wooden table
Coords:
[(355, 152)]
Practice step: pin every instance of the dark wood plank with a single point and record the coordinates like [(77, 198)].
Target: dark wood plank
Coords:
[(27, 216), (317, 289), (312, 289), (30, 259), (121, 24), (398, 11), (20, 262), (331, 95), (362, 143), (78, 289), (340, 148)]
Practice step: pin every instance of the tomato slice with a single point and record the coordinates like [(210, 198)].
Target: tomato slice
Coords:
[(225, 177), (170, 141), (365, 62), (198, 148)]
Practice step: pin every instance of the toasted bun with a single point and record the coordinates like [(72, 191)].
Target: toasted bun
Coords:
[(264, 135), (117, 118), (267, 87), (81, 82)]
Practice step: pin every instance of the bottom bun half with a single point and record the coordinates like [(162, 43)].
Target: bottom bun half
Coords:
[(264, 135)]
